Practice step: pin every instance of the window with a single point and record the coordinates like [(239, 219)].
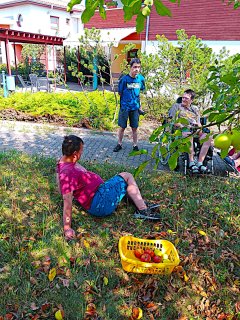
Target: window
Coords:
[(54, 21), (131, 54)]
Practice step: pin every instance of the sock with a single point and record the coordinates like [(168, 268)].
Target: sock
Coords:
[(199, 164), (191, 163)]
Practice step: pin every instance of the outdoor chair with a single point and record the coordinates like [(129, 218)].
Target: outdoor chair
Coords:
[(25, 84), (34, 81), (43, 84)]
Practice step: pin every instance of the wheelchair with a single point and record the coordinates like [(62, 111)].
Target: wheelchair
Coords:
[(183, 159)]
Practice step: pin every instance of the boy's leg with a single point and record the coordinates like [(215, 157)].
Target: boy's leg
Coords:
[(133, 190), (120, 135), (122, 122), (204, 149), (134, 120)]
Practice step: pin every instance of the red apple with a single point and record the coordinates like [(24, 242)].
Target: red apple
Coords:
[(157, 259), (150, 252), (145, 257), (138, 252)]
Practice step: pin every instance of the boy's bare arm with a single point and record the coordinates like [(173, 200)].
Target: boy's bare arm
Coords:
[(58, 184), (67, 216)]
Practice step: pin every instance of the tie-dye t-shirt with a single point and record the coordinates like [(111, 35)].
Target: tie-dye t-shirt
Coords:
[(191, 113), (76, 179)]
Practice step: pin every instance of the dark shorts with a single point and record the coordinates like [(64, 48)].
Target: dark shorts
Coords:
[(124, 115), (108, 196)]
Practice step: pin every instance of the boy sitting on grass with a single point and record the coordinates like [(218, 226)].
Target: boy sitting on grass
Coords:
[(97, 197)]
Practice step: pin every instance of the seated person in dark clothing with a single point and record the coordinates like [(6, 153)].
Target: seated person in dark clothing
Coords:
[(186, 110)]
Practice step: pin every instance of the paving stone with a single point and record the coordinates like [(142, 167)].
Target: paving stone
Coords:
[(46, 140)]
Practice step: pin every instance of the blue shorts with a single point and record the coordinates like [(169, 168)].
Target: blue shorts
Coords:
[(124, 115), (108, 196)]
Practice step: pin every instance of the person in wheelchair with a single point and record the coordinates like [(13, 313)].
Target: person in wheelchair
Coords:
[(233, 160), (183, 108)]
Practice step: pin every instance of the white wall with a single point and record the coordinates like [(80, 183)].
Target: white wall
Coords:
[(36, 19)]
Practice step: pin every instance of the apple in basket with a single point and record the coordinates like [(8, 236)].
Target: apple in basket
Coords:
[(150, 252), (157, 259), (145, 257), (138, 252)]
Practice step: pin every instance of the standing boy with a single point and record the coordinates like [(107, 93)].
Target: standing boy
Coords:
[(129, 88)]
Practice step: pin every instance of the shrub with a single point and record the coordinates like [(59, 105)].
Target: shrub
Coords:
[(97, 107)]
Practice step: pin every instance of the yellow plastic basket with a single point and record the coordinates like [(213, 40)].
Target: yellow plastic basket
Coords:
[(130, 263)]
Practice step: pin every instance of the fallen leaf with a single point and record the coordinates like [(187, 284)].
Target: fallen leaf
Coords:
[(52, 274), (59, 315), (45, 306), (65, 282), (91, 309), (176, 241), (105, 281), (33, 306), (202, 232), (86, 244), (136, 313), (237, 306), (171, 232)]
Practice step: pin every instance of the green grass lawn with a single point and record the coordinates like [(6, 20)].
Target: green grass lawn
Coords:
[(41, 273)]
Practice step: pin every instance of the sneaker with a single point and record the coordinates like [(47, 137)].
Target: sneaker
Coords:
[(193, 168), (135, 148), (117, 148), (203, 169), (146, 214), (152, 205)]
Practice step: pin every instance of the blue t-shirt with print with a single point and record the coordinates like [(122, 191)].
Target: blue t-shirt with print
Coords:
[(129, 89)]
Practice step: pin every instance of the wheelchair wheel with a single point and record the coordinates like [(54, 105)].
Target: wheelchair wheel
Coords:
[(163, 158), (183, 163)]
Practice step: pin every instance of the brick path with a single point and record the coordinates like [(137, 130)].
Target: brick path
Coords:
[(46, 140)]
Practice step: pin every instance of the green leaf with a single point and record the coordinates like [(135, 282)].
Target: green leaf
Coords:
[(224, 153), (133, 2), (155, 134), (185, 147), (87, 14), (102, 12), (212, 116), (154, 150), (229, 79), (140, 168), (140, 22), (221, 117), (137, 153), (72, 3), (182, 121), (161, 9), (128, 13), (172, 162)]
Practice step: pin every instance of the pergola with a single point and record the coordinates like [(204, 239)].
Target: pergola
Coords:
[(9, 35)]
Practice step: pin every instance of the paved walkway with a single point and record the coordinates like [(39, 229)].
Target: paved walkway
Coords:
[(46, 140)]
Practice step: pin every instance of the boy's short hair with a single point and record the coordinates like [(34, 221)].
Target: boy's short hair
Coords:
[(135, 60), (71, 144), (191, 93)]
